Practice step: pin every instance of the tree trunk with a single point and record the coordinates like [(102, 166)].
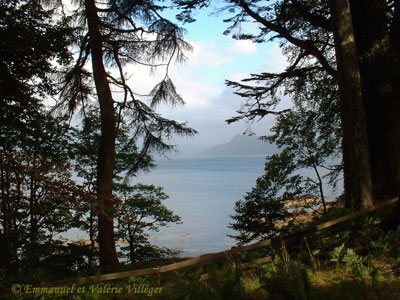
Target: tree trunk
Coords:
[(392, 221), (357, 172), (376, 52), (320, 186), (131, 251), (4, 257), (106, 160), (91, 234)]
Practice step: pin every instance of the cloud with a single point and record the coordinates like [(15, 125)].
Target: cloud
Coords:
[(200, 82), (209, 119), (197, 80), (273, 59), (243, 47), (208, 54)]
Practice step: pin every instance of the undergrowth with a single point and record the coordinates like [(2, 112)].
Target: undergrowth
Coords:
[(355, 260)]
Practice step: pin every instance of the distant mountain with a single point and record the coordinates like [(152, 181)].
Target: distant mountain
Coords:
[(241, 145), (185, 150)]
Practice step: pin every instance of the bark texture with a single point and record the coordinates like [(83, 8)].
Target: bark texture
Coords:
[(5, 261), (106, 160), (357, 171), (378, 57), (393, 219)]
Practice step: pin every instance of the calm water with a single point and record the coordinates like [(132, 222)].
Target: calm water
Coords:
[(202, 191)]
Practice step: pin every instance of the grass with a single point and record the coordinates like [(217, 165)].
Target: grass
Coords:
[(356, 260)]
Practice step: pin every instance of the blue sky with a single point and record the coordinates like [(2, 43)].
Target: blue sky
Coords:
[(200, 80)]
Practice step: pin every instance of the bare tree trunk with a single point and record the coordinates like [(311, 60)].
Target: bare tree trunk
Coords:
[(131, 251), (91, 234), (320, 186), (106, 160), (376, 57), (393, 219), (4, 257), (357, 169)]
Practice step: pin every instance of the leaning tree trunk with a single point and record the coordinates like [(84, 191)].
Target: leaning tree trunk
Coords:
[(106, 159), (357, 172)]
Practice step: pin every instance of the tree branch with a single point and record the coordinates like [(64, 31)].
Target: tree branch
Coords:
[(307, 45), (313, 19)]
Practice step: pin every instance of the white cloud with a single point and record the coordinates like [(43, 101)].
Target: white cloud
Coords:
[(208, 54), (200, 82), (192, 78), (273, 59), (244, 47)]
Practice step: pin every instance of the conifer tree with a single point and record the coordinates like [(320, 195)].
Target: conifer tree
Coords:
[(306, 28), (113, 34)]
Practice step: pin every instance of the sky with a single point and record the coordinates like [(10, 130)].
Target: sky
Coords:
[(200, 80)]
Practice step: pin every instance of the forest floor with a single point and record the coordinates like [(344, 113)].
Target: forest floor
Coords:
[(353, 260)]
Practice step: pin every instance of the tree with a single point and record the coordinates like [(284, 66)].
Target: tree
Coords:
[(356, 160), (260, 212), (34, 181), (31, 39), (140, 209), (282, 196), (86, 146), (376, 27), (308, 28), (320, 48), (304, 149), (114, 34)]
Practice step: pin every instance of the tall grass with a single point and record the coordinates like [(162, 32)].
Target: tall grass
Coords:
[(356, 260)]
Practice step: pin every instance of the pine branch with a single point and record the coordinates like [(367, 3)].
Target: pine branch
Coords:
[(307, 45)]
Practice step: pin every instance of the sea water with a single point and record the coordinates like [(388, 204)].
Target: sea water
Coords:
[(203, 192)]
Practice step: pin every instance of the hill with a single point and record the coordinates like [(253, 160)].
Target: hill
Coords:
[(241, 145), (187, 150)]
